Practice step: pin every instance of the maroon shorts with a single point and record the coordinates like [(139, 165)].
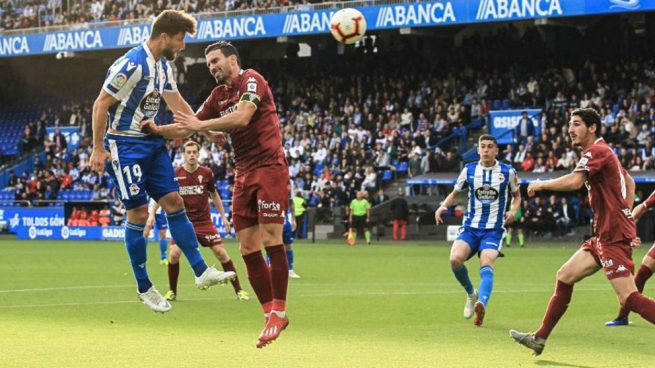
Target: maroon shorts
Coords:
[(615, 258), (206, 233), (260, 196)]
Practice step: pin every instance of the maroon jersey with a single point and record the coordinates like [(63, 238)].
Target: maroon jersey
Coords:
[(607, 193), (260, 142), (195, 188)]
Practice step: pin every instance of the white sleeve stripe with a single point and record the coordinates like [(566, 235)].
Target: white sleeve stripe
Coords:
[(116, 165)]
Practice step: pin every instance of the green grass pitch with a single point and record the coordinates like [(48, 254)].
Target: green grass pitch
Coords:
[(73, 304)]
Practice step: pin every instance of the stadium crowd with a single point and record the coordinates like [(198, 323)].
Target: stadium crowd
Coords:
[(346, 130), (17, 14)]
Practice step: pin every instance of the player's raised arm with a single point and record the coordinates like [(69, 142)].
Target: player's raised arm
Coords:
[(566, 183), (639, 210)]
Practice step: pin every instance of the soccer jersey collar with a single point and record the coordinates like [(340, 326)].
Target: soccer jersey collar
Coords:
[(495, 165), (148, 52), (598, 140), (237, 80)]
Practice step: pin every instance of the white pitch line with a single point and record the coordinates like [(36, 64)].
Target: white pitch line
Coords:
[(310, 295)]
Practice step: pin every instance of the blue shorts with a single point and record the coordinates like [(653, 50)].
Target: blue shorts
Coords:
[(480, 240), (287, 232), (160, 221), (140, 167)]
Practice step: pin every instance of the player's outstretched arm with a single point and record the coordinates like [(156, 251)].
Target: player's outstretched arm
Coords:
[(169, 131), (99, 125), (237, 119), (566, 183), (639, 210), (444, 207)]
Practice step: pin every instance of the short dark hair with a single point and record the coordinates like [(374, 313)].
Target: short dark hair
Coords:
[(488, 137), (191, 144), (173, 22), (590, 117), (226, 48)]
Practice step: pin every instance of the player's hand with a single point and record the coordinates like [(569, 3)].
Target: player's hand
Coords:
[(638, 211), (149, 126), (98, 158), (188, 121), (216, 137), (534, 187), (293, 224), (227, 225), (437, 215), (148, 227), (636, 242), (509, 217)]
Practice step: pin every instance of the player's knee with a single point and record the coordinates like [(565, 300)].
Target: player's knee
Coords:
[(456, 262), (174, 256), (565, 276), (138, 216)]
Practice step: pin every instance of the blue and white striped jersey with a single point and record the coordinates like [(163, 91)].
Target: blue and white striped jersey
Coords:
[(137, 81), (488, 193)]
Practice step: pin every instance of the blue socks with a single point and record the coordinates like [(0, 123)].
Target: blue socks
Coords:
[(185, 238), (135, 243), (163, 245), (290, 259), (462, 275), (486, 284)]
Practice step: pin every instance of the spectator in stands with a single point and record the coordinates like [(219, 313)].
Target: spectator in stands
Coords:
[(370, 180), (524, 128), (565, 217), (380, 197), (60, 140), (400, 214)]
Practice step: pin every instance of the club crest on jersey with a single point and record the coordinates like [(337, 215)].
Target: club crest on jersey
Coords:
[(134, 189), (118, 81), (252, 85), (501, 177), (486, 194)]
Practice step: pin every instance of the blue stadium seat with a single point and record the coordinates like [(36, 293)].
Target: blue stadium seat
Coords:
[(386, 176), (403, 167)]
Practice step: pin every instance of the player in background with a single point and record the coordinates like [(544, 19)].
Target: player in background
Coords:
[(488, 182), (287, 234), (611, 193), (197, 185), (519, 225), (160, 223), (138, 161), (359, 218), (647, 264), (242, 105)]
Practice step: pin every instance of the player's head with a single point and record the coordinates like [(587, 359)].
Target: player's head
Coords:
[(487, 148), (169, 29), (223, 61), (191, 149), (584, 126)]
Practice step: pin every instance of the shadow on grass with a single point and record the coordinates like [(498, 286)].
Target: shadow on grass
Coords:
[(550, 363)]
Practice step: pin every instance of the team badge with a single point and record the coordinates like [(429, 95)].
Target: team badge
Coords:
[(501, 177), (252, 85), (200, 178), (118, 81), (134, 189)]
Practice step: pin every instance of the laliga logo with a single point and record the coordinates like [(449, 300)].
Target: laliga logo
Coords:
[(65, 232), (625, 4), (32, 232)]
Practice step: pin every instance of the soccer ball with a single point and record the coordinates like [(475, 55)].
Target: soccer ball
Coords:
[(348, 25)]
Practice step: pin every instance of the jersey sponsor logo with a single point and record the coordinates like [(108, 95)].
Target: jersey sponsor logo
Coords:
[(486, 194), (212, 237), (229, 110), (192, 190), (118, 81), (14, 46), (150, 104), (511, 9), (272, 206), (607, 263)]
